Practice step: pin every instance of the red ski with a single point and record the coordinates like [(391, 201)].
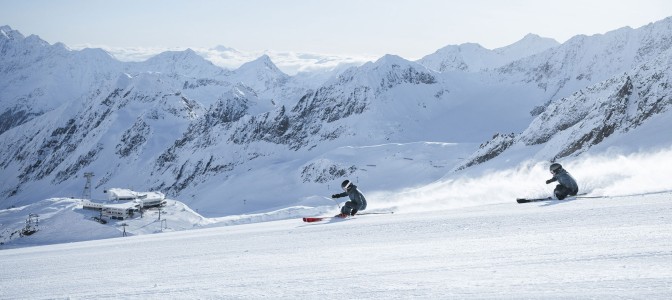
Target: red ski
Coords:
[(318, 219), (315, 219)]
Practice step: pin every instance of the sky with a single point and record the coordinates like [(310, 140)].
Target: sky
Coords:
[(410, 29)]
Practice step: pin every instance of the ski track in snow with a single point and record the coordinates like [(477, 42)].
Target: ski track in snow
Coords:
[(611, 248)]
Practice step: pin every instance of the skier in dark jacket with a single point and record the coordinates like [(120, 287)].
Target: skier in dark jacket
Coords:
[(567, 185), (357, 201)]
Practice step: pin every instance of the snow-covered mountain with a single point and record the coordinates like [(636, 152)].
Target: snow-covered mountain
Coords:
[(183, 63), (255, 139), (292, 63), (38, 77), (637, 102), (91, 108), (471, 57), (262, 74), (586, 60)]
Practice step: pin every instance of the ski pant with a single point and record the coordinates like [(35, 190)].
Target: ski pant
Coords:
[(349, 208), (561, 192)]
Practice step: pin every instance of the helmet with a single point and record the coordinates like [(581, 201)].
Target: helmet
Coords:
[(346, 184), (555, 167)]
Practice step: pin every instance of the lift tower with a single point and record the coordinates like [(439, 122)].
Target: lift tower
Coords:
[(87, 187)]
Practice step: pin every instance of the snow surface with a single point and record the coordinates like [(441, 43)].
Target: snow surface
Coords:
[(610, 248), (455, 238)]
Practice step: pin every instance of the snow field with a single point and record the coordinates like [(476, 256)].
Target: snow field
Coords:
[(609, 248)]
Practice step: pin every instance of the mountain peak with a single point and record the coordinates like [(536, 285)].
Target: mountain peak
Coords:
[(461, 48), (222, 48), (472, 57), (265, 59), (36, 40), (530, 44), (186, 62), (391, 59), (177, 56), (531, 36), (7, 32), (261, 74), (263, 62), (471, 46), (95, 53)]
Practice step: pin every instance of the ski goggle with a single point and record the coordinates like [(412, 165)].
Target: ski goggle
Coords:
[(345, 188)]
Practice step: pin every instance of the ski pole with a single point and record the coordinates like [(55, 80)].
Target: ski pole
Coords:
[(332, 199)]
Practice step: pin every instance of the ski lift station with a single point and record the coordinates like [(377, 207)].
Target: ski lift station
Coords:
[(145, 199), (124, 203)]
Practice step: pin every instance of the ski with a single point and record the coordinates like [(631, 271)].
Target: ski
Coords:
[(527, 200), (579, 196), (319, 219), (314, 219), (375, 213)]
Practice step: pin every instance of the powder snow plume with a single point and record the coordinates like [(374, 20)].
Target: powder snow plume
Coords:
[(607, 174)]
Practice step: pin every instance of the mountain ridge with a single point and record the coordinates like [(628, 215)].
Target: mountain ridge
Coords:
[(472, 57), (179, 124)]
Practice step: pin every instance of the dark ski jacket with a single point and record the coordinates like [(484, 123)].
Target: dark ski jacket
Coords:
[(355, 196), (563, 177)]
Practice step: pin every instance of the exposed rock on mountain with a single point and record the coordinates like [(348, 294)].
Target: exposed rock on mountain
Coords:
[(574, 124)]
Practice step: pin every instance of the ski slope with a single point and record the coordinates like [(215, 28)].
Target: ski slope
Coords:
[(608, 248)]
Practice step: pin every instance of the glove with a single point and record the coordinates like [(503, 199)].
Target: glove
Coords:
[(549, 181), (334, 196)]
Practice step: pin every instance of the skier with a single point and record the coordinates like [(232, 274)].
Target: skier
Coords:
[(357, 201), (567, 185)]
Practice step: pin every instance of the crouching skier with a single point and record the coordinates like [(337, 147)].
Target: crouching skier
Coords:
[(357, 201), (567, 185)]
